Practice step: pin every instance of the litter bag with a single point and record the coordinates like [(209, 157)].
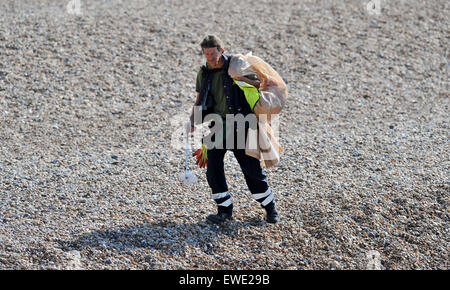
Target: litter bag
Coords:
[(273, 90), (262, 143)]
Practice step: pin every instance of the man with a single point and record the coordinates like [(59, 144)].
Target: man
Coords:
[(216, 93)]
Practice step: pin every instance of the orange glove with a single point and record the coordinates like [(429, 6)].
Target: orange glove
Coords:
[(202, 156)]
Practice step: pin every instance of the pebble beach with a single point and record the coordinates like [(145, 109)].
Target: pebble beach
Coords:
[(92, 94)]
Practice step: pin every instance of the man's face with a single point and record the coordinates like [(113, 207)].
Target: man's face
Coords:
[(212, 55)]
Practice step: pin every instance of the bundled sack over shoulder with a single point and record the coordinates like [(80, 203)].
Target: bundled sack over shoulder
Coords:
[(262, 144), (273, 90)]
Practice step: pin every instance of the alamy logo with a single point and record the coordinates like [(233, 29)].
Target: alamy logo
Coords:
[(373, 7), (373, 260), (233, 127), (74, 7)]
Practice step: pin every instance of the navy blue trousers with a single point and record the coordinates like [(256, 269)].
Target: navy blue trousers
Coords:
[(254, 175)]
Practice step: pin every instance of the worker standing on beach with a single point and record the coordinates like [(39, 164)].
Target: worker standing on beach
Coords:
[(216, 91)]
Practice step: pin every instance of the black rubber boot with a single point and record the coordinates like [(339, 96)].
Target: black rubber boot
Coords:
[(272, 214), (219, 218)]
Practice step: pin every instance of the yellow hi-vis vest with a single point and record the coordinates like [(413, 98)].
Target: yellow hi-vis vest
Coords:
[(251, 93)]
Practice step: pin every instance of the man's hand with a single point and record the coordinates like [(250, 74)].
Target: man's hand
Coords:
[(254, 83), (240, 79)]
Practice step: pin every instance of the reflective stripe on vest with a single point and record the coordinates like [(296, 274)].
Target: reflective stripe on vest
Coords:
[(251, 93)]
